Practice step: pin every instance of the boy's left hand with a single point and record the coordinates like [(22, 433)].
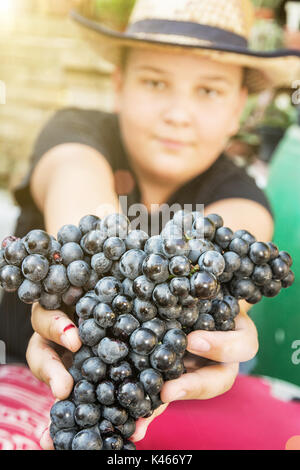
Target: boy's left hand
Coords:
[(228, 349)]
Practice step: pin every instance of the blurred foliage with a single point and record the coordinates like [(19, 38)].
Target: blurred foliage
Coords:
[(276, 112), (113, 13), (280, 112), (266, 35), (266, 3)]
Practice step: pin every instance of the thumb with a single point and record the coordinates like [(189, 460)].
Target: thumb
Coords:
[(143, 423)]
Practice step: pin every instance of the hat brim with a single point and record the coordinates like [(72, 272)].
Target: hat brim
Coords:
[(278, 68)]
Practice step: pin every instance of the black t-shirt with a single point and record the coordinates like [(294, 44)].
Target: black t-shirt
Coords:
[(101, 131)]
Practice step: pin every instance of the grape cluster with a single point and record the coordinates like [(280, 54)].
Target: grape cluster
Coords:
[(135, 299)]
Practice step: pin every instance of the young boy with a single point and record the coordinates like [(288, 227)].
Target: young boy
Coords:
[(181, 87)]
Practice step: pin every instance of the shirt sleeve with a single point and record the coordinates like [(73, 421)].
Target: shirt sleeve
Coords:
[(71, 125), (238, 184)]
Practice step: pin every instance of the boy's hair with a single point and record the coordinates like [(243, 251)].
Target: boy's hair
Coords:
[(124, 60)]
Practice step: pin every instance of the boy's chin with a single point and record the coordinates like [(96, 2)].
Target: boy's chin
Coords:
[(168, 174)]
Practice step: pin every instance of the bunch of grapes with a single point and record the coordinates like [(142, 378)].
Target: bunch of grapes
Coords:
[(135, 299)]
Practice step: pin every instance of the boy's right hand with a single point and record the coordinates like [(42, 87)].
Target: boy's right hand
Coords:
[(44, 361)]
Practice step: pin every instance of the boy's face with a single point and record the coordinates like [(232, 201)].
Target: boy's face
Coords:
[(177, 112)]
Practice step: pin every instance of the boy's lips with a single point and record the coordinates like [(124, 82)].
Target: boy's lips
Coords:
[(174, 143)]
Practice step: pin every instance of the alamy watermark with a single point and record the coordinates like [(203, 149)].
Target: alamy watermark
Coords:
[(2, 353), (296, 94), (296, 353), (2, 92), (160, 216)]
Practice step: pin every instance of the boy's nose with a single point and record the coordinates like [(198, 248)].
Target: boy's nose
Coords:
[(177, 114)]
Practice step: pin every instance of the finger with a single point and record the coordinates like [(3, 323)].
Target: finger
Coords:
[(202, 384), (46, 442), (226, 346), (56, 326), (143, 423), (47, 366)]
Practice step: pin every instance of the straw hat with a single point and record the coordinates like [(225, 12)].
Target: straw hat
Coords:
[(218, 29)]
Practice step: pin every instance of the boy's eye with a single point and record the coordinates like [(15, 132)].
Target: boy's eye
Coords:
[(212, 93), (155, 84)]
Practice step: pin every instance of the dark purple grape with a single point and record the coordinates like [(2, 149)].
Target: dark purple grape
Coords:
[(130, 393), (131, 263), (116, 415), (279, 269), (242, 288), (10, 278), (144, 310), (56, 281), (120, 372), (112, 350), (93, 369), (259, 253), (38, 242), (239, 246), (87, 223), (216, 219), (205, 322), (155, 268), (143, 341), (87, 440), (84, 392), (163, 357), (204, 285), (15, 253), (177, 339), (62, 414), (71, 252), (114, 248), (108, 288), (30, 292), (143, 288), (213, 262), (156, 325), (124, 326), (223, 237), (104, 315), (87, 414), (163, 297), (113, 442), (69, 233), (92, 243), (180, 266), (136, 240), (90, 332), (152, 381), (271, 288), (122, 304), (105, 392), (175, 247), (288, 281)]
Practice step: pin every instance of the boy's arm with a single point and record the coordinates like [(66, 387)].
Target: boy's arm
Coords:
[(71, 181)]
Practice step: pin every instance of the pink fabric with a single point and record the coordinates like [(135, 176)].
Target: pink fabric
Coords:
[(25, 403), (247, 417)]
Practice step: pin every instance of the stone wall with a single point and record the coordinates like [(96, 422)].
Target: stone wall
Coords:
[(45, 66)]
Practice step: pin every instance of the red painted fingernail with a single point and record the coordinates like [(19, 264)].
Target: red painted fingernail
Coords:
[(69, 327)]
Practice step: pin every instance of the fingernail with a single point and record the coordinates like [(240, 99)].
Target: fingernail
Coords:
[(138, 437), (69, 337), (199, 345), (178, 395)]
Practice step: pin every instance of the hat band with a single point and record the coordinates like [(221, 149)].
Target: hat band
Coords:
[(188, 29)]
